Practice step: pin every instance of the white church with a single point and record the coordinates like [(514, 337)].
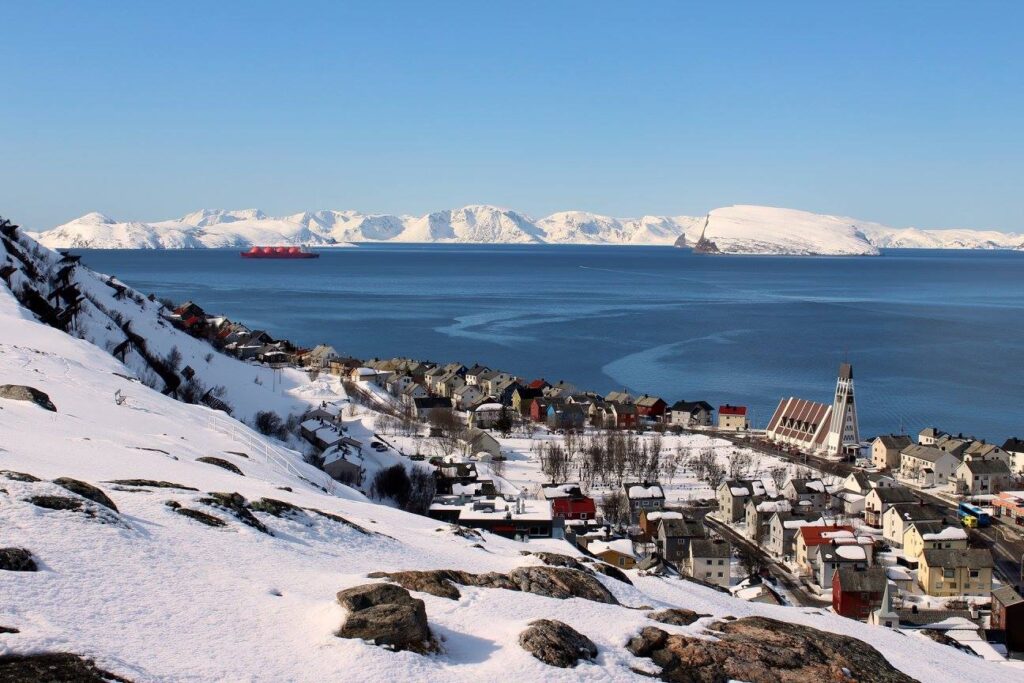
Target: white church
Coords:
[(818, 427)]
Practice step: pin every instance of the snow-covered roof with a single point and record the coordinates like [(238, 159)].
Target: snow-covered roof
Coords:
[(623, 546), (663, 514), (638, 491), (851, 552), (950, 533), (484, 407)]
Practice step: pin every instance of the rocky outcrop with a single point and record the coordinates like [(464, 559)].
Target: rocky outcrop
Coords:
[(87, 491), (201, 517), (20, 392), (18, 476), (386, 615), (676, 616), (236, 504), (611, 572), (56, 502), (275, 507), (220, 462), (53, 666), (762, 650), (17, 560), (152, 484), (556, 643), (558, 560), (551, 582)]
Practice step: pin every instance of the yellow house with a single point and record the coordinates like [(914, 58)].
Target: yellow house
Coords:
[(952, 572), (921, 536), (618, 553)]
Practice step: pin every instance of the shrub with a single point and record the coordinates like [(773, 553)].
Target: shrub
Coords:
[(270, 423), (392, 482)]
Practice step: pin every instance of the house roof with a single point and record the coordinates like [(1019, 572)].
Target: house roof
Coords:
[(915, 513), (870, 580), (930, 454), (894, 495), (692, 407), (732, 410), (816, 535), (811, 420), (645, 490), (623, 546), (710, 547), (646, 401), (619, 396), (681, 528), (1007, 596), (1014, 445), (986, 467), (972, 558), (930, 433), (807, 486), (428, 402), (897, 441)]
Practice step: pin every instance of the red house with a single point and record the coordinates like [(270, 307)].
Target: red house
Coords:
[(539, 410), (538, 384), (569, 502), (650, 406), (857, 593)]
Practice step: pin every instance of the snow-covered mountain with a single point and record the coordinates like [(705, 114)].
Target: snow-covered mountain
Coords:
[(735, 230), (158, 564)]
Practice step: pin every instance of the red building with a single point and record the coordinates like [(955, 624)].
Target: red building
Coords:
[(1008, 616), (539, 410), (857, 593), (569, 502), (650, 406)]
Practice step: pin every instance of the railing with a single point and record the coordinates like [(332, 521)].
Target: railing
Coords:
[(272, 455)]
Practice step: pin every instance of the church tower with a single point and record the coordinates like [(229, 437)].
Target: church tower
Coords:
[(843, 434)]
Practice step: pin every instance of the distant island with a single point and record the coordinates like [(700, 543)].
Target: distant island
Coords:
[(739, 229)]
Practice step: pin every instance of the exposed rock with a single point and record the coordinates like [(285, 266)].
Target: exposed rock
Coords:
[(676, 616), (558, 582), (275, 507), (53, 667), (56, 502), (20, 392), (762, 650), (552, 582), (556, 643), (387, 615), (558, 560), (8, 629), (87, 491), (220, 462), (18, 476), (611, 572), (17, 560), (153, 484), (199, 516), (236, 504), (339, 519)]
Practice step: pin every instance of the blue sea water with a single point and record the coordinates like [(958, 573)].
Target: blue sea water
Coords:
[(935, 337)]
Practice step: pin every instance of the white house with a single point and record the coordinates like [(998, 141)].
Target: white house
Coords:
[(927, 465), (974, 477)]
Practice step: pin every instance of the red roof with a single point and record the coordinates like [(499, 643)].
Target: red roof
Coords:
[(537, 384), (813, 534), (732, 410)]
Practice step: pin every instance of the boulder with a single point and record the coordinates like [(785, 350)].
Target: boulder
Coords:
[(151, 483), (558, 582), (17, 560), (8, 629), (199, 516), (53, 666), (20, 392), (387, 615), (762, 650), (87, 491), (556, 643), (558, 560), (551, 582), (273, 506), (676, 616), (56, 502)]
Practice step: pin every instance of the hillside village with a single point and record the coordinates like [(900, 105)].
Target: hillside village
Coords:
[(894, 531)]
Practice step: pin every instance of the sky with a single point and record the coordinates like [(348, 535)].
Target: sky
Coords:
[(907, 113)]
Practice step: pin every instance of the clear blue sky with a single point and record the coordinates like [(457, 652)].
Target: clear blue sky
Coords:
[(910, 113)]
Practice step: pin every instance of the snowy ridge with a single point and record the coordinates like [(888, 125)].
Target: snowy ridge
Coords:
[(735, 230), (136, 588)]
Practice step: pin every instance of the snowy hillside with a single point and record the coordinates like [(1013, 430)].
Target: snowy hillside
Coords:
[(181, 570), (734, 229)]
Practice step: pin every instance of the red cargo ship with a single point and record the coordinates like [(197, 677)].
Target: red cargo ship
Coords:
[(279, 252)]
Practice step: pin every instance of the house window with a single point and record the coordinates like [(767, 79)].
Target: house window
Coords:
[(948, 573), (622, 562), (719, 574), (974, 573), (583, 515)]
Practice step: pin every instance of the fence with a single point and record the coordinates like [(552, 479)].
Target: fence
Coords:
[(272, 455)]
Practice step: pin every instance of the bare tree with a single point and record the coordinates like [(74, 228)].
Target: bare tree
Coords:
[(447, 430), (778, 476), (613, 506)]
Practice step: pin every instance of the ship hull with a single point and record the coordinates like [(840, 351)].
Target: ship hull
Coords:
[(302, 255)]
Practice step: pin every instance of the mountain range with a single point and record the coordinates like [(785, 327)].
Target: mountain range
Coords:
[(740, 229)]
